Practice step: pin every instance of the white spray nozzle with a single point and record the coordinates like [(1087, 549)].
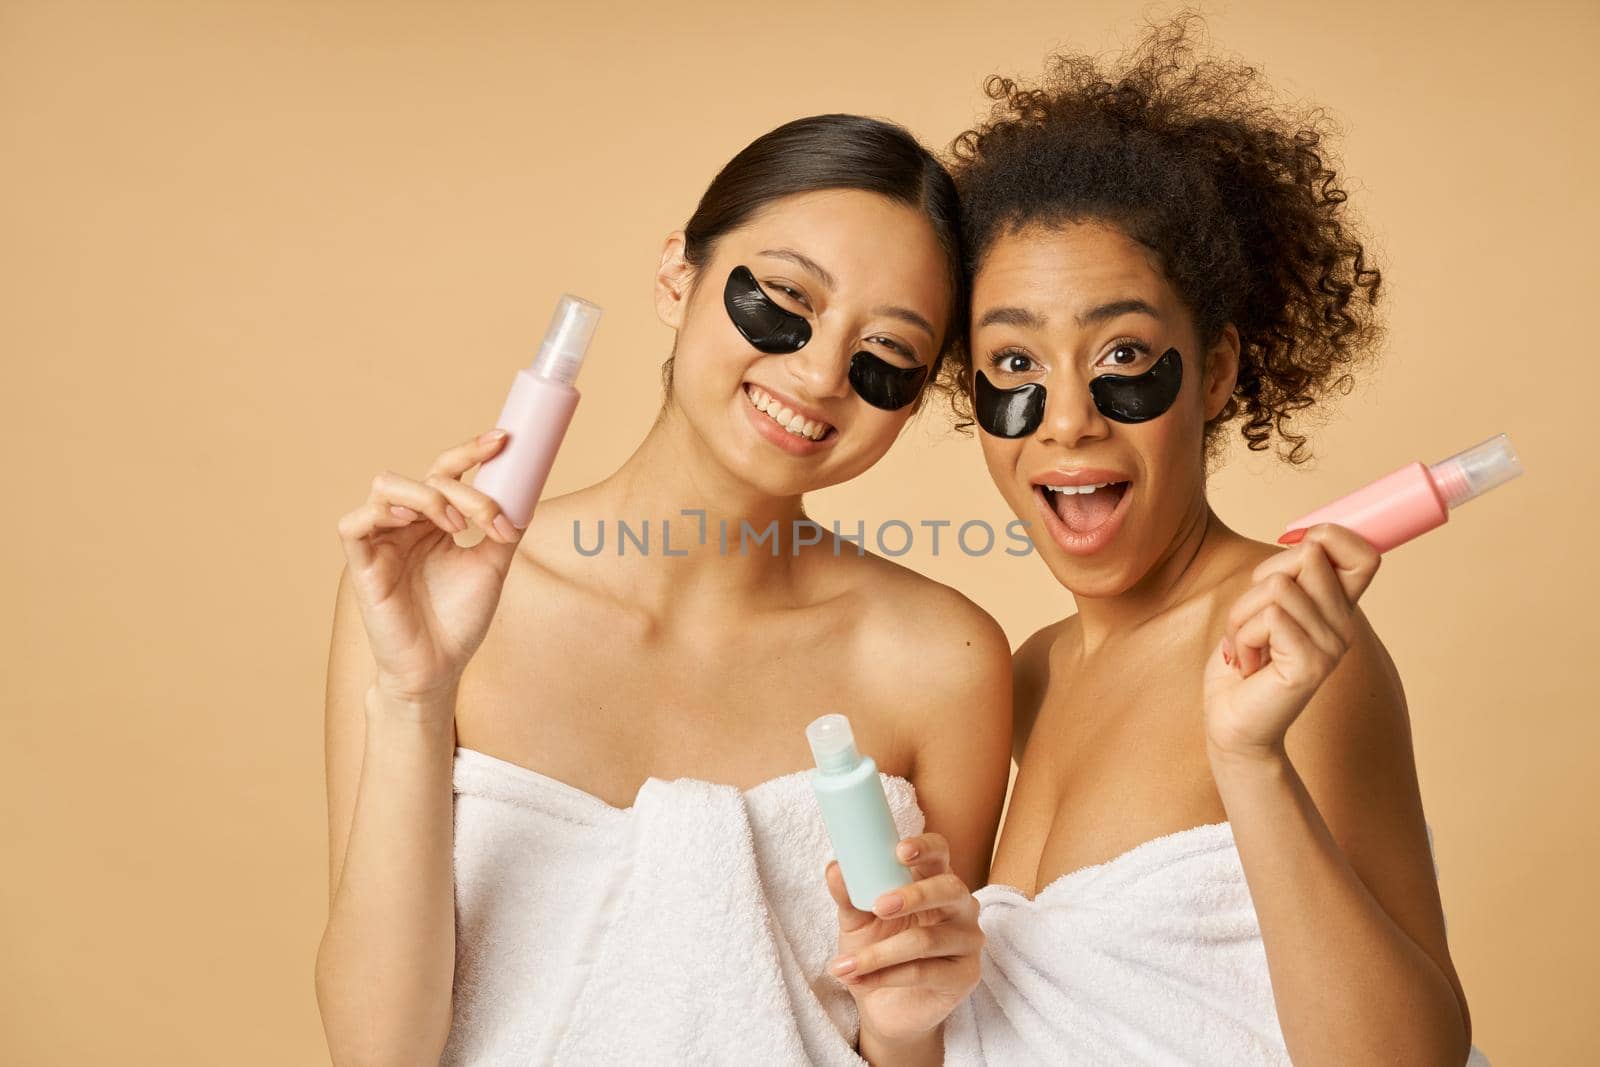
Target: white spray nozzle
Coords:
[(1477, 470), (565, 342), (833, 745)]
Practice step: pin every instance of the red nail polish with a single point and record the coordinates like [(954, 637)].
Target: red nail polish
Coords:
[(1293, 537)]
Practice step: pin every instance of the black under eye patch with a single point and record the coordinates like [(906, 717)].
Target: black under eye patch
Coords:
[(1123, 397), (1009, 412), (1139, 397), (882, 384), (768, 327), (771, 329)]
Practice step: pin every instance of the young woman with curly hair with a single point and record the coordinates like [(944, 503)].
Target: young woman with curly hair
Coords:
[(1215, 850)]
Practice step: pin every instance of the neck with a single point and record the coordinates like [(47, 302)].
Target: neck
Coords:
[(1180, 571), (673, 472)]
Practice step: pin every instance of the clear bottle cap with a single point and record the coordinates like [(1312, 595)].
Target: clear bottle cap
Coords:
[(833, 745), (565, 342), (1474, 472)]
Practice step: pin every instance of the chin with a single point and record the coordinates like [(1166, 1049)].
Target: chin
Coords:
[(1097, 580)]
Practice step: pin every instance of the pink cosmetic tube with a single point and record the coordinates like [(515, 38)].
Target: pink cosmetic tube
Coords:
[(1415, 498), (537, 412)]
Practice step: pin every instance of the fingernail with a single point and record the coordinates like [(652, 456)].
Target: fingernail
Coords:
[(455, 517), (504, 527), (844, 966), (908, 851), (491, 435), (402, 511), (1293, 537), (890, 905)]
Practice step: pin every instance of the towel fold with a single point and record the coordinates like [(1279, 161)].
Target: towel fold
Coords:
[(1154, 957), (692, 927)]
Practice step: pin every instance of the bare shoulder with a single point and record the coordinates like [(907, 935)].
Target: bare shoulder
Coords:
[(921, 638), (1356, 732), (916, 622)]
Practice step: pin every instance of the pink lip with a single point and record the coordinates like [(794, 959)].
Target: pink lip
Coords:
[(1085, 544), (791, 443)]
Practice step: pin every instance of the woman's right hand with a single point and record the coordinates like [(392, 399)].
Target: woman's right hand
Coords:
[(914, 957), (426, 602)]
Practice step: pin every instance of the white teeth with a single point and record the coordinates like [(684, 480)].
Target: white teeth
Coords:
[(1071, 490), (792, 421)]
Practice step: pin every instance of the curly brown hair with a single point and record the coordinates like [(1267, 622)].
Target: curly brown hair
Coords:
[(1235, 193)]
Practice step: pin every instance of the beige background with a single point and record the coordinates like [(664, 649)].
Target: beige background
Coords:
[(251, 253)]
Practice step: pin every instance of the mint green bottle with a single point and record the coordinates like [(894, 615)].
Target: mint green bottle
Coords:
[(855, 811)]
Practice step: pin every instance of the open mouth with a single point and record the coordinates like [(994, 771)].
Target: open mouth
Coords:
[(784, 418), (1083, 518), (1083, 509)]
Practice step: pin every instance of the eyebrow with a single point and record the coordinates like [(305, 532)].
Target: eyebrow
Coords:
[(908, 316), (1032, 320), (905, 315), (804, 261), (1012, 316), (1129, 306)]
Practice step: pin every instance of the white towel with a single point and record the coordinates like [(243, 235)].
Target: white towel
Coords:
[(1152, 958), (693, 927)]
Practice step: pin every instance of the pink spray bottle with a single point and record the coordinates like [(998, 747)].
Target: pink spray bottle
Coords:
[(1417, 497), (537, 412)]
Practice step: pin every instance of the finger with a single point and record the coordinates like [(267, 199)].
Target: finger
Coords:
[(1248, 657), (1296, 657), (1309, 564), (851, 918), (1354, 560), (388, 488), (958, 976), (356, 528), (1321, 583), (455, 461), (942, 941), (943, 894), (487, 515), (1288, 593), (925, 854)]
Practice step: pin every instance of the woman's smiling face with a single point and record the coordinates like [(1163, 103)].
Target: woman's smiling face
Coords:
[(772, 323), (1107, 476)]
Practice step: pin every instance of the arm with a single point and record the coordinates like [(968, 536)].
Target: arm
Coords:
[(1339, 871), (1344, 888), (411, 610), (386, 961), (963, 726), (961, 769)]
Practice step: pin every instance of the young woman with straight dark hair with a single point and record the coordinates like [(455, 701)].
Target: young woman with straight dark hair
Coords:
[(570, 818)]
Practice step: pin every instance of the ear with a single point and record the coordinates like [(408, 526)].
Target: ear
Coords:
[(1222, 371), (674, 277)]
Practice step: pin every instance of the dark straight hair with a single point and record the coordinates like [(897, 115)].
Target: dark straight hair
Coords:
[(833, 152)]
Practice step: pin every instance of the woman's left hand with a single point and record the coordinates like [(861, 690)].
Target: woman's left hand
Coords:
[(915, 956), (1284, 636)]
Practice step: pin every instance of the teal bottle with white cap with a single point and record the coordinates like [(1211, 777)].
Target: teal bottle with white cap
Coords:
[(855, 811)]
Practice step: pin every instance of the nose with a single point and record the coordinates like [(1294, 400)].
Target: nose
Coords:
[(821, 369), (1070, 417)]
